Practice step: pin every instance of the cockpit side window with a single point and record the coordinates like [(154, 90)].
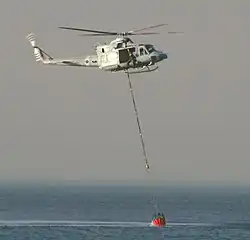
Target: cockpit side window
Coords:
[(150, 48), (143, 51)]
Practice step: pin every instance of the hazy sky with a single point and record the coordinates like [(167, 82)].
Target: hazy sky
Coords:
[(78, 124)]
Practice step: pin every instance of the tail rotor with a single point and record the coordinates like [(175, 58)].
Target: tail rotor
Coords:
[(39, 54), (36, 50)]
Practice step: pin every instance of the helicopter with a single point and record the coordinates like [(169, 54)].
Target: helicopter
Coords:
[(121, 54)]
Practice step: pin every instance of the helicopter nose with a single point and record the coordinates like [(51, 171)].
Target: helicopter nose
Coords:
[(161, 56), (164, 56)]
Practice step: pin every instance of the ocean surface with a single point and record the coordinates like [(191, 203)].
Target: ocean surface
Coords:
[(92, 213)]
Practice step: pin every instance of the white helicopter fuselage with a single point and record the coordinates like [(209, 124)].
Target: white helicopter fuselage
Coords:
[(111, 57), (116, 56), (120, 54)]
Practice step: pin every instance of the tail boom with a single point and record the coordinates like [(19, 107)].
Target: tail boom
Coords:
[(43, 57)]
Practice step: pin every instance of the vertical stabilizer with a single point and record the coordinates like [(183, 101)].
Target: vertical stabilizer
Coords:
[(39, 54)]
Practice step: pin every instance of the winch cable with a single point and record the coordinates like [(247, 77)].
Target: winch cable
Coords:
[(140, 133), (138, 123)]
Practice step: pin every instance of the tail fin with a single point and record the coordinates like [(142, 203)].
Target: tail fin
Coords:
[(39, 54)]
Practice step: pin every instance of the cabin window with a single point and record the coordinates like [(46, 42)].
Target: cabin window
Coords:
[(119, 45), (150, 48), (142, 51), (123, 56), (131, 50), (103, 50)]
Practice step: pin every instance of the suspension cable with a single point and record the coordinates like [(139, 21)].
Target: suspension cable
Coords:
[(138, 123), (141, 136)]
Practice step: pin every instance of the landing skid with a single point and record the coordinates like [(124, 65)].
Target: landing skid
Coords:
[(144, 70)]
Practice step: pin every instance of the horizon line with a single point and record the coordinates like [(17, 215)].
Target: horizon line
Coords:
[(125, 183)]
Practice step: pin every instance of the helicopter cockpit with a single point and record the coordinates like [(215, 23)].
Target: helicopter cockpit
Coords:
[(150, 48), (145, 49)]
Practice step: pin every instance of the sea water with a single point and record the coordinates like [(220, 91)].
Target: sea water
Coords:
[(115, 212)]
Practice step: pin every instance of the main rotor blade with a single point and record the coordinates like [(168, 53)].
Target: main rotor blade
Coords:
[(108, 34), (88, 30), (146, 33), (150, 27), (174, 32), (96, 35)]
